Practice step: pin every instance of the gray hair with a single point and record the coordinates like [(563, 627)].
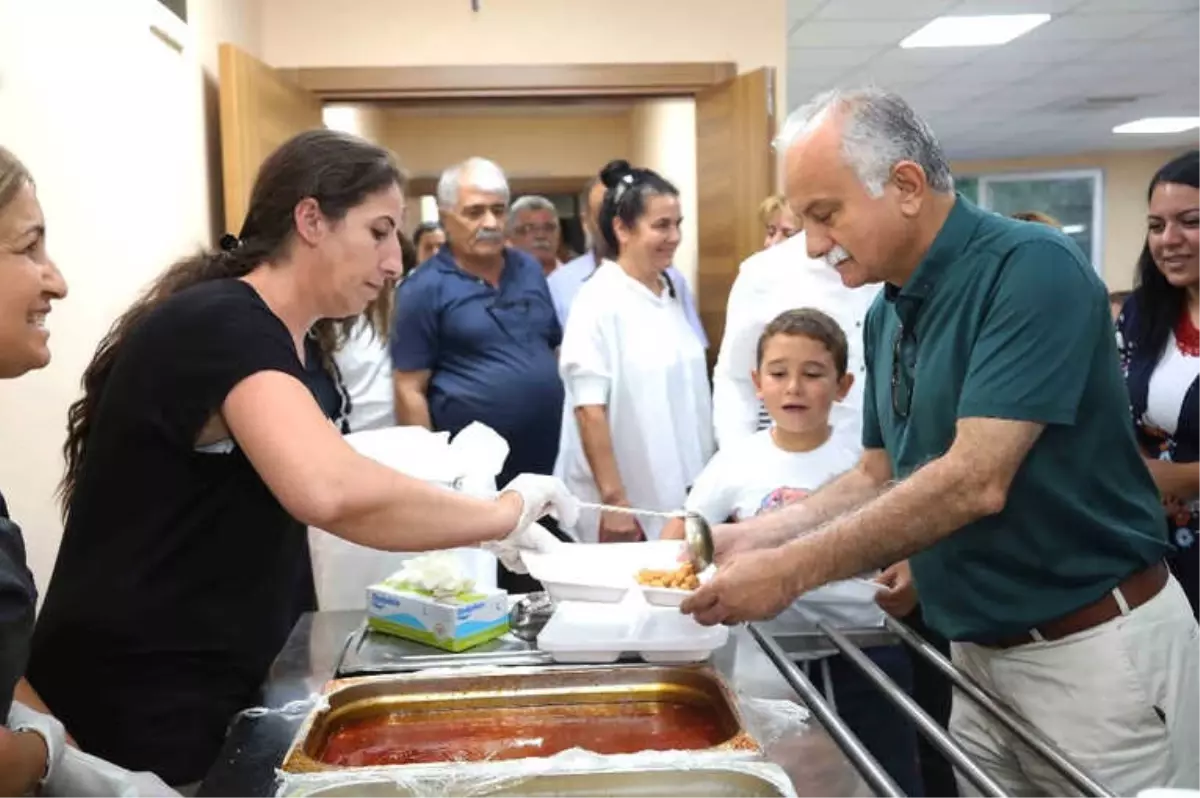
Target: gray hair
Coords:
[(530, 202), (477, 173), (881, 129), (13, 176)]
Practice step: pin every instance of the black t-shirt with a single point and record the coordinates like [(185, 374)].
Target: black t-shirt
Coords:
[(180, 574), (18, 597)]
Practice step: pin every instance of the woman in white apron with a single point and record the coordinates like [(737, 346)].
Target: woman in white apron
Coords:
[(640, 430)]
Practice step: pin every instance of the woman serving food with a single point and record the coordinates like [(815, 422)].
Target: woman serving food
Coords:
[(197, 456)]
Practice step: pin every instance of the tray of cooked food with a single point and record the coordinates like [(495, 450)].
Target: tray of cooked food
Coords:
[(516, 713)]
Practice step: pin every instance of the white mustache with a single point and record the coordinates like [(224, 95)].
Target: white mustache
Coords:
[(836, 255), (489, 235)]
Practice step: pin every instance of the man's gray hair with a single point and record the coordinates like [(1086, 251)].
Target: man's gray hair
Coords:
[(880, 130), (530, 202), (477, 173)]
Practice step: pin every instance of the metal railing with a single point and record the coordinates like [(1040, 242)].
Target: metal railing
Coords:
[(872, 772), (841, 642)]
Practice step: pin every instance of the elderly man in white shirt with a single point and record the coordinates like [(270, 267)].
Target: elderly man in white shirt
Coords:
[(781, 278)]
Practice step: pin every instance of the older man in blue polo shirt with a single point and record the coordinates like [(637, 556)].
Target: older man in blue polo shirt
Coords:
[(475, 333), (999, 459)]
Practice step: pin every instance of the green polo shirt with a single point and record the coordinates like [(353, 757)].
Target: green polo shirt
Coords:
[(1007, 319)]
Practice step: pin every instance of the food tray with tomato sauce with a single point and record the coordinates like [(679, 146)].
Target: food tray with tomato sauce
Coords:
[(518, 713)]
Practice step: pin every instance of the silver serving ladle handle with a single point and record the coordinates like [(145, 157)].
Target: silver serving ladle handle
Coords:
[(697, 534)]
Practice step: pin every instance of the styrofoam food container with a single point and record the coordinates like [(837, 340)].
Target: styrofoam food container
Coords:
[(602, 572), (665, 635), (665, 596), (673, 597), (845, 591), (583, 632), (570, 591)]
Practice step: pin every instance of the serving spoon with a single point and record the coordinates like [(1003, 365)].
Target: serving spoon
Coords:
[(697, 534)]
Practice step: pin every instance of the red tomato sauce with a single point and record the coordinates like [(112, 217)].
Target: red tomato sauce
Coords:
[(520, 732)]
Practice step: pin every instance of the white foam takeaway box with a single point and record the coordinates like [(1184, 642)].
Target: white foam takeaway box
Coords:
[(591, 632), (599, 572)]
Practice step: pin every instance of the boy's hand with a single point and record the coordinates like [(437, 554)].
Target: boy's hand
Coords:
[(672, 530), (620, 528), (900, 596)]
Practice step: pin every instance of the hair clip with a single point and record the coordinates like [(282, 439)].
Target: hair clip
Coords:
[(230, 242), (623, 186)]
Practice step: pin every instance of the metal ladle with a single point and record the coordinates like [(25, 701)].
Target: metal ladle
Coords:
[(697, 534)]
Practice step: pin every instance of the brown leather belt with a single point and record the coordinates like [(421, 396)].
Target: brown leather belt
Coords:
[(1137, 590)]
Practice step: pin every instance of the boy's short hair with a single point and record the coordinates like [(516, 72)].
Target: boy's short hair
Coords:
[(810, 323)]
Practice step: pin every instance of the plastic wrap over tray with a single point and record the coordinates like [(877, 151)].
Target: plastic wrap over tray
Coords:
[(570, 773)]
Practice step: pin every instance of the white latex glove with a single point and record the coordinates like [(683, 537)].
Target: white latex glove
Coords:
[(534, 537), (23, 719), (83, 774), (541, 495)]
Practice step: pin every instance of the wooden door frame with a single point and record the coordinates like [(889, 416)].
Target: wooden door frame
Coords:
[(524, 81)]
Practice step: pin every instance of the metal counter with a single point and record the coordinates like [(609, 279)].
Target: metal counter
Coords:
[(257, 741)]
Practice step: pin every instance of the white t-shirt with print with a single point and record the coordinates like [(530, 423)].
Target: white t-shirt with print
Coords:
[(753, 475)]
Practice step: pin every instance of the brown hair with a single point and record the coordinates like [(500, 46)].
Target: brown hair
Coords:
[(771, 206), (336, 169), (1038, 217), (13, 175), (809, 323)]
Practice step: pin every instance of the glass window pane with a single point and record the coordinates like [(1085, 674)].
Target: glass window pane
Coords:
[(1070, 200), (968, 187)]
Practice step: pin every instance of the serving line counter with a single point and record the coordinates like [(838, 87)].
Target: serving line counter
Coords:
[(819, 757), (328, 645)]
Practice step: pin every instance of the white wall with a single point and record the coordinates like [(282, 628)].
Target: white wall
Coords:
[(368, 121), (118, 129), (317, 33), (663, 138)]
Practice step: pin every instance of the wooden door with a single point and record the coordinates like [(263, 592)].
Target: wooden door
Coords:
[(735, 122), (260, 109)]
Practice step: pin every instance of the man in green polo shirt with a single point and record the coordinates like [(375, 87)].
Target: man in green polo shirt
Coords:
[(999, 459)]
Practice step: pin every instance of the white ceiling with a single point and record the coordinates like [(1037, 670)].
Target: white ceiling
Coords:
[(1050, 91)]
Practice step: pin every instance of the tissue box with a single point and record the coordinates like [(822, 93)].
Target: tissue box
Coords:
[(453, 623)]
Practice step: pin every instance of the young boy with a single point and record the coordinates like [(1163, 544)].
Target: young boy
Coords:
[(801, 373)]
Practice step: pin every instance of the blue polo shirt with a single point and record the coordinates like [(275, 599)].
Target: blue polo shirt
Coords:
[(491, 352)]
